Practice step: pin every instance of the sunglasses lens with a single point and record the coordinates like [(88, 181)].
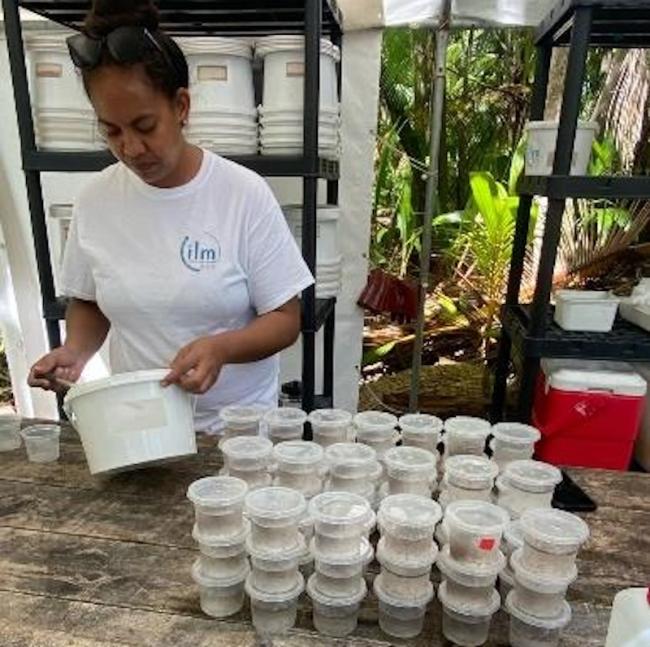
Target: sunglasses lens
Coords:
[(126, 44), (84, 51)]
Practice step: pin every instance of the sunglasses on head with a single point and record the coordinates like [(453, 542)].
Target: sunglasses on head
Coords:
[(125, 45)]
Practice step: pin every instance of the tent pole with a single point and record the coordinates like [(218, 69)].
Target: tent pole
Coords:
[(432, 195)]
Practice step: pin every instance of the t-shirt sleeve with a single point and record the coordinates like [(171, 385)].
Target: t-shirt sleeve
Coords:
[(77, 279), (276, 269)]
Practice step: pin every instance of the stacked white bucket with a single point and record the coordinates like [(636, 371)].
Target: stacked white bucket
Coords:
[(328, 257), (406, 552), (281, 115), (223, 117), (63, 116), (341, 552)]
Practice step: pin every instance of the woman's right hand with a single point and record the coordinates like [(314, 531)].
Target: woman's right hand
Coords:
[(63, 362)]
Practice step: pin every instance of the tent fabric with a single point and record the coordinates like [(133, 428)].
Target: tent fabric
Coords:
[(367, 14)]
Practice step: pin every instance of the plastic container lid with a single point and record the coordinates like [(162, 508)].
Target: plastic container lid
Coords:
[(540, 583), (470, 574), (531, 476), (203, 580), (285, 417), (278, 598), (247, 452), (406, 564), (516, 433), (375, 421), (275, 560), (469, 610), (471, 472), (476, 516), (339, 508), (241, 415), (326, 600), (420, 423), (409, 516), (351, 459), (409, 463), (275, 504), (51, 432), (298, 456), (553, 531), (468, 425), (410, 603), (217, 491), (364, 556), (514, 535), (557, 622), (220, 545), (329, 419)]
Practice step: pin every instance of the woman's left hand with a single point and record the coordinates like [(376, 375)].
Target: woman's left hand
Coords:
[(196, 367)]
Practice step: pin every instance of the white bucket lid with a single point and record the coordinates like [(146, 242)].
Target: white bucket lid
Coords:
[(592, 375), (293, 43), (215, 45), (120, 379)]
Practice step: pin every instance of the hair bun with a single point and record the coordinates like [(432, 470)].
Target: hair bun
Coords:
[(107, 15)]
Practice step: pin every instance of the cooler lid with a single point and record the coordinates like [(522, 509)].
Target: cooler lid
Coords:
[(593, 375)]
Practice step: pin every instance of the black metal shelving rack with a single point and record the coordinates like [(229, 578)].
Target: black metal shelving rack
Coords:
[(313, 18), (578, 24)]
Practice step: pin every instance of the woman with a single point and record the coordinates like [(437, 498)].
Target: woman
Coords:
[(183, 256)]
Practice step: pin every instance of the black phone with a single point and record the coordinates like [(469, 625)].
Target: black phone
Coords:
[(571, 497)]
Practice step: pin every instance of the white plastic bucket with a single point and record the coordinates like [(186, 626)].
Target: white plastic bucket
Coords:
[(328, 255), (540, 149), (585, 310), (129, 420)]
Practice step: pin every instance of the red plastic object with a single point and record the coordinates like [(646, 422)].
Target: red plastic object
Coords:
[(389, 295), (586, 428)]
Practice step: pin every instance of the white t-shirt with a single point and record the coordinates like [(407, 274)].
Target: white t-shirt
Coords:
[(167, 266)]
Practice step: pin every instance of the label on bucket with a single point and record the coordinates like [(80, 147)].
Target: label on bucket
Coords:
[(296, 69), (486, 543), (212, 73), (49, 70), (137, 415)]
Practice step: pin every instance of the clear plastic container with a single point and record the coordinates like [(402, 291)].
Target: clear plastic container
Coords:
[(506, 582), (453, 493), (531, 476), (466, 435), (406, 465), (307, 485), (335, 616), (330, 426), (513, 441), (360, 487), (275, 574), (407, 564), (421, 430), (247, 454), (220, 598), (255, 479), (466, 626), (552, 539), (527, 630), (275, 513), (468, 584), (218, 506), (513, 538), (298, 457), (541, 596), (219, 559), (343, 565), (9, 433), (475, 531), (274, 614), (420, 488), (351, 461), (42, 443), (339, 522), (408, 517), (381, 444), (285, 423), (306, 564), (411, 588), (398, 618), (377, 424), (470, 472), (241, 420)]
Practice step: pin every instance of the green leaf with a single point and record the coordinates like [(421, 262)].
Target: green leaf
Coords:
[(375, 355)]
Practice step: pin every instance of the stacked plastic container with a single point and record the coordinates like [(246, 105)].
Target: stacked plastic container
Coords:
[(276, 546), (466, 435), (341, 552), (526, 485), (543, 570), (513, 539), (469, 566), (285, 423), (421, 430), (299, 465), (410, 470), (377, 429), (223, 118), (240, 420), (221, 531), (513, 441), (406, 552), (281, 115), (330, 426), (468, 477), (248, 458), (353, 467)]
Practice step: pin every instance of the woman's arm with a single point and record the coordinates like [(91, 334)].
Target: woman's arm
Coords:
[(197, 366), (86, 330)]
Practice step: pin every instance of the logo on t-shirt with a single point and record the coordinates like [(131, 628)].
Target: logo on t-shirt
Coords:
[(198, 255)]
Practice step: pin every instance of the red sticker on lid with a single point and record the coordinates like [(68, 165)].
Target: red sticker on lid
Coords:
[(487, 543)]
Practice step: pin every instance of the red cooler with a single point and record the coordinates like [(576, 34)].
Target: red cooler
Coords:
[(589, 413)]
